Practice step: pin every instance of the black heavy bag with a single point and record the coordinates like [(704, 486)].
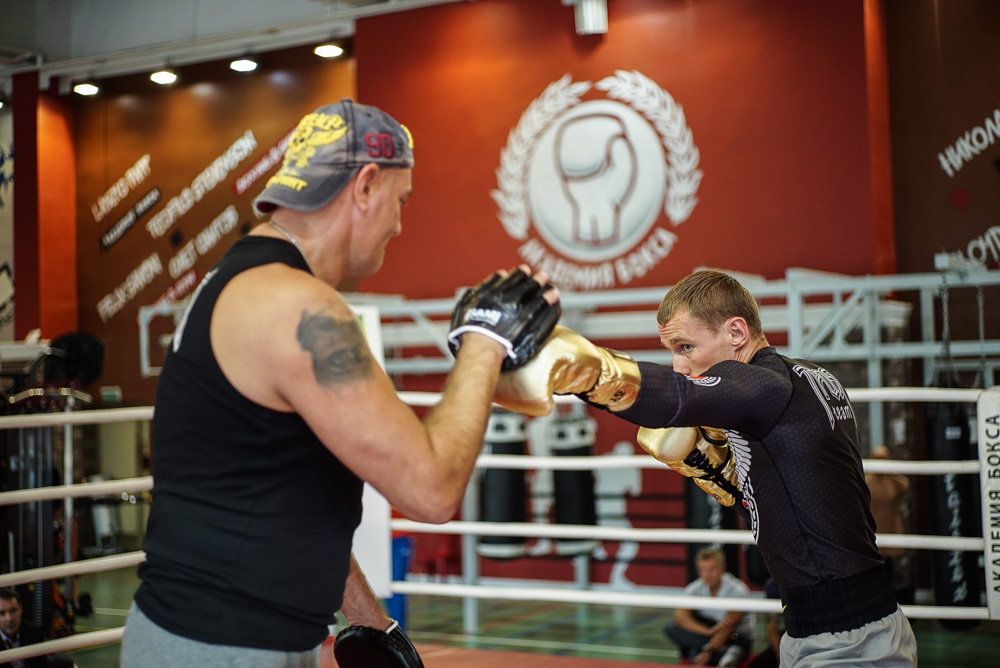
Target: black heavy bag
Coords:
[(502, 493), (574, 490), (955, 509)]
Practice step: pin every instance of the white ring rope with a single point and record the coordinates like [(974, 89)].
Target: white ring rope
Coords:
[(95, 565), (600, 532), (520, 529), (127, 486), (65, 644), (917, 394), (641, 599), (122, 486), (103, 415), (96, 416), (591, 462), (137, 413), (525, 462)]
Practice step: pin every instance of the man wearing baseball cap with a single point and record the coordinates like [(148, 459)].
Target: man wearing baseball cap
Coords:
[(271, 413)]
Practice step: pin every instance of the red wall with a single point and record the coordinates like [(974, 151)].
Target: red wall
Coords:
[(945, 64), (183, 129), (883, 223), (56, 217), (945, 61), (44, 211), (774, 92)]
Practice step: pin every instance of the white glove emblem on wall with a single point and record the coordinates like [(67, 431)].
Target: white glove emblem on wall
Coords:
[(596, 163)]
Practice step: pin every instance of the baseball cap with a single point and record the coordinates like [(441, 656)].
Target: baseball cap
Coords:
[(327, 149)]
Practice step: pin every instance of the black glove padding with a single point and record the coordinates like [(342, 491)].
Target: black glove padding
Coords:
[(365, 647), (511, 310)]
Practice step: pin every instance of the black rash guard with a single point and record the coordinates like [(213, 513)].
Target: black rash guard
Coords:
[(792, 430), (249, 537)]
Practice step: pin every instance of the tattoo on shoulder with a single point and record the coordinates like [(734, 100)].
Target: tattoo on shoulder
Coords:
[(338, 348)]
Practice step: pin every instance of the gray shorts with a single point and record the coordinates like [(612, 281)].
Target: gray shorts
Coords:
[(146, 645), (886, 642)]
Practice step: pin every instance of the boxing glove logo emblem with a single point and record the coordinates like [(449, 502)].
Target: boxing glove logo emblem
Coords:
[(601, 181)]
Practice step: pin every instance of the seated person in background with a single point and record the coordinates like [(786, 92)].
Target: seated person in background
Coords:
[(773, 630), (713, 637), (16, 634)]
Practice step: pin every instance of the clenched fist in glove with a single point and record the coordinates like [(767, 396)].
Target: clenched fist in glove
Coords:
[(511, 309), (700, 453), (568, 363)]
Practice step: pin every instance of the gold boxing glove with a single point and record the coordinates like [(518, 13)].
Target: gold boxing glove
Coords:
[(700, 453), (567, 363)]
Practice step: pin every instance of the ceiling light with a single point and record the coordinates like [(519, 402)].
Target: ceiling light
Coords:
[(591, 16), (243, 65), (163, 77), (85, 89), (328, 51)]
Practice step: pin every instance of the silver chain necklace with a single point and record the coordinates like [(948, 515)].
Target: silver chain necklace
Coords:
[(295, 243)]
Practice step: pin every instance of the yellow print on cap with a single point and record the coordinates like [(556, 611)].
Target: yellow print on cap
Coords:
[(280, 179), (313, 130)]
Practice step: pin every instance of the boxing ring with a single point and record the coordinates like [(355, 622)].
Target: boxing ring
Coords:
[(471, 590)]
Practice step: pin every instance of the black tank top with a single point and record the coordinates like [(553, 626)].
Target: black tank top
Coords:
[(249, 537)]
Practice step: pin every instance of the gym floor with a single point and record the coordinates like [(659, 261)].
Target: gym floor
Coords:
[(536, 634)]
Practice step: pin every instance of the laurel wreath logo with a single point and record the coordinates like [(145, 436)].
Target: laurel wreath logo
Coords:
[(632, 88)]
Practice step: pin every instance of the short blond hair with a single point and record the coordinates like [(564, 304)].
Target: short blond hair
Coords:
[(706, 553), (713, 298)]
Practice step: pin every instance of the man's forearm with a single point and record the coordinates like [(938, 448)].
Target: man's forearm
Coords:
[(361, 606), (724, 630), (684, 619)]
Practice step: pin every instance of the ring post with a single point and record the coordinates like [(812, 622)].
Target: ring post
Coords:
[(988, 417)]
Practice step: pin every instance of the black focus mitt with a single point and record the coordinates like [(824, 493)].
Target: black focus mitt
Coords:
[(510, 309), (365, 647)]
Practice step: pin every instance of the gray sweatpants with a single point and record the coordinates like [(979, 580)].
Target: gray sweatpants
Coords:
[(146, 645), (886, 642)]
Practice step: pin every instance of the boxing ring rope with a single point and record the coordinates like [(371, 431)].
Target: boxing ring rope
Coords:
[(587, 531), (988, 468)]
